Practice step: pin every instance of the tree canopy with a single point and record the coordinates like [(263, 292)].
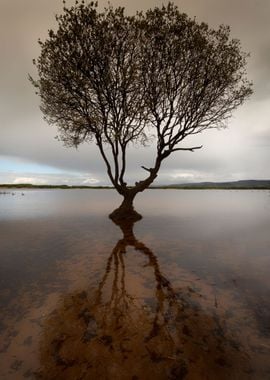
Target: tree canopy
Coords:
[(157, 76)]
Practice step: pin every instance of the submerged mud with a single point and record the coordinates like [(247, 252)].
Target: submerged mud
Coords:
[(123, 310)]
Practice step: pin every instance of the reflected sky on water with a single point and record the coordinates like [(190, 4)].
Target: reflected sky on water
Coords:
[(184, 293)]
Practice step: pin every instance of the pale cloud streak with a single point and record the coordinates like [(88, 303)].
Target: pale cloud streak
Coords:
[(70, 179), (29, 180)]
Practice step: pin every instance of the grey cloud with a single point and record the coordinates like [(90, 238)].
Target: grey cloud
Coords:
[(226, 154)]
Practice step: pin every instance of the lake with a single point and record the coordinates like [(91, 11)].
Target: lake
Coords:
[(182, 294)]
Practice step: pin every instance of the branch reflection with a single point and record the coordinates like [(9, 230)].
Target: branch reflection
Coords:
[(137, 326)]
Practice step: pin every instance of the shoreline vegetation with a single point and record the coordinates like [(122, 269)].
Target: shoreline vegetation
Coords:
[(235, 185)]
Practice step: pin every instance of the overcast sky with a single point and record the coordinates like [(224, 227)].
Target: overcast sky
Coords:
[(29, 152)]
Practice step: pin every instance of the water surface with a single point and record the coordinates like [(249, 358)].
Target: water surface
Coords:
[(182, 294)]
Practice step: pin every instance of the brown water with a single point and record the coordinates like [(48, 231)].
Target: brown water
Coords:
[(182, 294)]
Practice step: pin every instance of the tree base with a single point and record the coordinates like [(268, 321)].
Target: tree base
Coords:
[(124, 215)]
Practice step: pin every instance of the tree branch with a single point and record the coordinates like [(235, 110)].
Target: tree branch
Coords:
[(189, 149), (148, 170)]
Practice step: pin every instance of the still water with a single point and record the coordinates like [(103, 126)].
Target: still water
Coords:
[(182, 294)]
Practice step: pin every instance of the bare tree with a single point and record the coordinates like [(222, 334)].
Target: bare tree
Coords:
[(117, 80)]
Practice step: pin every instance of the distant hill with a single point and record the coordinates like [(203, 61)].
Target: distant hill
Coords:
[(244, 184), (240, 185)]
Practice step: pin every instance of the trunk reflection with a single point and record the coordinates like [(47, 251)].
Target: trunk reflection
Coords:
[(113, 332)]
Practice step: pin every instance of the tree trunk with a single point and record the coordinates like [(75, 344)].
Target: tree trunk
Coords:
[(126, 210)]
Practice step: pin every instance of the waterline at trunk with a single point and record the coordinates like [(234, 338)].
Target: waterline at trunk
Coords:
[(126, 210)]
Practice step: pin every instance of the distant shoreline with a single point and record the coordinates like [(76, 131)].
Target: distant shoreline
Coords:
[(236, 185), (30, 186)]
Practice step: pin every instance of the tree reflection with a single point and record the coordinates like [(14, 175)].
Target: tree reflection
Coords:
[(137, 326)]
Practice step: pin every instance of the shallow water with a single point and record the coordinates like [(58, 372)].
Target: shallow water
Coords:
[(182, 294)]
